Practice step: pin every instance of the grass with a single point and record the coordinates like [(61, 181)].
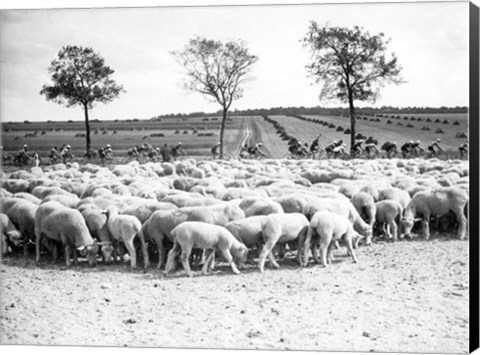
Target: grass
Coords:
[(174, 129)]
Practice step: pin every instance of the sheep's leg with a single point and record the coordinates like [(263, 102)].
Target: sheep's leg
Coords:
[(67, 254), (348, 242), (75, 257), (301, 244), (330, 257), (172, 256), (186, 251), (324, 243), (462, 224), (394, 228), (38, 238), (146, 260), (208, 257), (212, 262), (161, 251), (307, 245), (55, 253), (315, 247), (271, 259), (131, 252), (426, 228), (267, 248), (226, 254)]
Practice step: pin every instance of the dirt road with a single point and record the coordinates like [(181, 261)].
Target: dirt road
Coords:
[(409, 296)]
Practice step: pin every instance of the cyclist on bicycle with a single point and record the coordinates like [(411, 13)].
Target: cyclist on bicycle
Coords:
[(463, 149), (255, 150), (329, 148), (431, 148), (390, 148), (177, 150), (357, 147), (416, 149), (315, 147)]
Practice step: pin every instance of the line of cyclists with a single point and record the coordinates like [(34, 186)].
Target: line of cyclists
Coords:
[(366, 148)]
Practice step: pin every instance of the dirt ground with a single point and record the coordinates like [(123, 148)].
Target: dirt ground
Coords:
[(409, 296)]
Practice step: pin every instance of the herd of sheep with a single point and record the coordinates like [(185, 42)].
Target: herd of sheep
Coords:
[(186, 211)]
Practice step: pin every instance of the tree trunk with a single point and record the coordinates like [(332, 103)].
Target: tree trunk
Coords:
[(87, 129), (222, 129), (353, 120)]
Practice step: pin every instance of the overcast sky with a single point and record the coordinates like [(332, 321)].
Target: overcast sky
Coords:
[(430, 40)]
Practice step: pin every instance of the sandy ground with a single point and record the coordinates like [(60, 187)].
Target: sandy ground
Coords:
[(410, 296)]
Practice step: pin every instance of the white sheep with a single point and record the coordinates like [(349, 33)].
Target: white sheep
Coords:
[(436, 202), (124, 228), (329, 227), (189, 235), (65, 225), (283, 228), (161, 223), (389, 212), (11, 236)]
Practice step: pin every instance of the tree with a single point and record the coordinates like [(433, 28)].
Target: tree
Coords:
[(80, 77), (217, 70), (350, 64)]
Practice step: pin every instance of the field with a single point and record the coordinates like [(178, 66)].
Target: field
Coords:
[(254, 128), (411, 295)]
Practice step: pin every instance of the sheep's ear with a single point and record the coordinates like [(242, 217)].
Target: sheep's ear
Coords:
[(417, 219), (80, 248)]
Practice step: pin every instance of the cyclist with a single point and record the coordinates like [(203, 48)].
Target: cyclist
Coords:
[(431, 148), (315, 147), (177, 150), (463, 149), (215, 150), (390, 148)]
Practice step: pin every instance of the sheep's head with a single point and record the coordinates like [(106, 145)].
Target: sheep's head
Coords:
[(407, 225), (107, 250), (15, 237), (367, 232), (90, 252), (111, 210), (240, 253)]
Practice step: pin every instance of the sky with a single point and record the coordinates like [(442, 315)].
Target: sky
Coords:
[(429, 39)]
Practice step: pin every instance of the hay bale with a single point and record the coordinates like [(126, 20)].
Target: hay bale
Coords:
[(439, 131)]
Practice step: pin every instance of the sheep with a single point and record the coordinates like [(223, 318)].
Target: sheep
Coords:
[(70, 200), (436, 202), (188, 235), (15, 185), (11, 236), (282, 228), (97, 226), (394, 194), (125, 228), (161, 223), (66, 225), (28, 196), (255, 206), (22, 213), (41, 191), (389, 212), (365, 206), (344, 208), (143, 211), (329, 227)]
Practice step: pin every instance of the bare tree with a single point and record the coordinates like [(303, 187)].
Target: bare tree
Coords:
[(80, 77), (217, 70), (350, 64)]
